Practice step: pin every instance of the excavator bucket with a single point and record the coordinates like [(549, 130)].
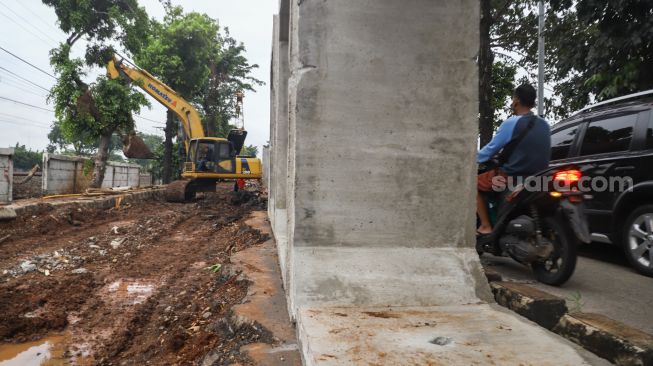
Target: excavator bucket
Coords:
[(237, 138), (134, 147)]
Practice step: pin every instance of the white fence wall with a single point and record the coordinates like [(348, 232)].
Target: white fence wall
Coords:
[(145, 180), (121, 175), (6, 174), (72, 174)]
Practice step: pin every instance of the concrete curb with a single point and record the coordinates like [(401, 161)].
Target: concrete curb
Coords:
[(98, 202), (606, 338), (535, 305), (609, 339)]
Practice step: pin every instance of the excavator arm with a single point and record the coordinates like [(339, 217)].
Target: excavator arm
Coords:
[(185, 112)]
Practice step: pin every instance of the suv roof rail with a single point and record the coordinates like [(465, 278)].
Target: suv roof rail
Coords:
[(618, 99)]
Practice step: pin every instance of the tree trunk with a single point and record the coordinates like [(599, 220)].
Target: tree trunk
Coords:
[(485, 60), (167, 153), (101, 160)]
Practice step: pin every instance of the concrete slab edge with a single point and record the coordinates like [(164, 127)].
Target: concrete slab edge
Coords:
[(96, 202), (609, 339)]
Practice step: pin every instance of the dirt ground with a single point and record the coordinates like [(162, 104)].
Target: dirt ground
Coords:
[(133, 285)]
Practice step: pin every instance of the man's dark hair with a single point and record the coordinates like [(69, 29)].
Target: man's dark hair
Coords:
[(526, 95)]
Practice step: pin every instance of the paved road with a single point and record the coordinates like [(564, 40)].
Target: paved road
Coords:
[(603, 283)]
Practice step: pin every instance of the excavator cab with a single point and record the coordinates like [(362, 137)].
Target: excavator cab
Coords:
[(211, 155)]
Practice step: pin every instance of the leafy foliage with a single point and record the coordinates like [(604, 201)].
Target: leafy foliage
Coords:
[(503, 85), (178, 50), (88, 113), (598, 49), (25, 159), (249, 150), (98, 21), (230, 74)]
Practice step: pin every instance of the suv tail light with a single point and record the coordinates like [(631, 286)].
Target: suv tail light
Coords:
[(565, 183), (567, 177)]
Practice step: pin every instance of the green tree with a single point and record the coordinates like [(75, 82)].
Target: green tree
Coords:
[(88, 113), (26, 159), (598, 49), (178, 51), (230, 75), (507, 29)]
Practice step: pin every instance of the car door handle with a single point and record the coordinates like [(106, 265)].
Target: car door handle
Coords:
[(624, 168)]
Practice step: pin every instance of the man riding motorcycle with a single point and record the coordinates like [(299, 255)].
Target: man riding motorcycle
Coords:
[(530, 153)]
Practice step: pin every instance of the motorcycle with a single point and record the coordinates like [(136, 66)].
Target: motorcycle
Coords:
[(541, 227)]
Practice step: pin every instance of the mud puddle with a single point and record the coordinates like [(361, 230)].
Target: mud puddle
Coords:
[(129, 291), (48, 351)]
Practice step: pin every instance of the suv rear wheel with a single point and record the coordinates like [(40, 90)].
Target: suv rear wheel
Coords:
[(638, 239)]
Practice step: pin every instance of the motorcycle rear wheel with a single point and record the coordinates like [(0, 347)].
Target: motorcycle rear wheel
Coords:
[(561, 265)]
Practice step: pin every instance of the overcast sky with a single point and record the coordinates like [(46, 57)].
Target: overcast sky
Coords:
[(29, 31)]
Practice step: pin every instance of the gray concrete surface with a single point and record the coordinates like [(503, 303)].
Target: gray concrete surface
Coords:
[(388, 276), (452, 335), (603, 283), (380, 185), (6, 174), (28, 206), (383, 96), (71, 174)]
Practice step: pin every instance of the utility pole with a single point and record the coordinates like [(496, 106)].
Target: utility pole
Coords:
[(540, 61)]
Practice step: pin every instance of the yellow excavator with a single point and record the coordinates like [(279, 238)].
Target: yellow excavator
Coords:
[(208, 159)]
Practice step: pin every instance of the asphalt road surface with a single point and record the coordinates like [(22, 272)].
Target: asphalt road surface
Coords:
[(603, 283)]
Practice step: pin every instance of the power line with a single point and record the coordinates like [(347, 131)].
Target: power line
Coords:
[(38, 17), (13, 84), (27, 62), (26, 104), (151, 120), (23, 118), (26, 29), (31, 24), (23, 124), (22, 78)]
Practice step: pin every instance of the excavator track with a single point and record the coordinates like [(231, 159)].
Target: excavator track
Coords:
[(180, 191)]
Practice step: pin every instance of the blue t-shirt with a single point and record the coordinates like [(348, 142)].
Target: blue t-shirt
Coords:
[(531, 155)]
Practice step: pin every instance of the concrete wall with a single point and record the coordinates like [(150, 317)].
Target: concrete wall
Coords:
[(121, 175), (71, 174), (145, 180), (380, 152), (279, 133), (6, 174)]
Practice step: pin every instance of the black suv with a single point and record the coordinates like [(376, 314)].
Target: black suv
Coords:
[(612, 143)]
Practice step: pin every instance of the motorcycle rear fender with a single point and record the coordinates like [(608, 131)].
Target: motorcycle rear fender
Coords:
[(575, 214)]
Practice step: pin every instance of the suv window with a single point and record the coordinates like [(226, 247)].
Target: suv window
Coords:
[(608, 135), (649, 135), (561, 142)]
